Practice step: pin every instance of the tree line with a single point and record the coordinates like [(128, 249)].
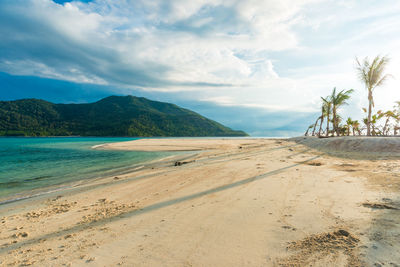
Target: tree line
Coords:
[(382, 123)]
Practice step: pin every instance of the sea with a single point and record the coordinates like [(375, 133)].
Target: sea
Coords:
[(34, 165)]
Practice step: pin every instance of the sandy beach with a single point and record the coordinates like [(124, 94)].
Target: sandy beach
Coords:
[(224, 202)]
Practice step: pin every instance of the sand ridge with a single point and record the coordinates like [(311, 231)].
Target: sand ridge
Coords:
[(363, 147), (241, 202)]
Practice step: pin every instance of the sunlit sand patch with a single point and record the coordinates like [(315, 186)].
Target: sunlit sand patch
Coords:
[(106, 209)]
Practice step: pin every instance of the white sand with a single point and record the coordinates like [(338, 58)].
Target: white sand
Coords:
[(243, 202)]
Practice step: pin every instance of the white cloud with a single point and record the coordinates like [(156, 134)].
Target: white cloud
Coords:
[(273, 55)]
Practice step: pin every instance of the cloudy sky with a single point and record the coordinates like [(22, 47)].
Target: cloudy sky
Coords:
[(258, 66)]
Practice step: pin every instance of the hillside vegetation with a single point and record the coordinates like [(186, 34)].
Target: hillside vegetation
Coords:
[(111, 116)]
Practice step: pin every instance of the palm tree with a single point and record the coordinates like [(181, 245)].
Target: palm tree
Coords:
[(389, 115), (338, 126), (356, 127), (321, 119), (328, 104), (338, 100), (396, 110), (372, 75), (349, 124), (315, 126), (308, 129), (324, 112), (374, 120)]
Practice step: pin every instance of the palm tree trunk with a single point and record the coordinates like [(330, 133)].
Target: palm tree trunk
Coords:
[(320, 125), (385, 127), (327, 125), (354, 133), (335, 128), (369, 112), (306, 133), (315, 126)]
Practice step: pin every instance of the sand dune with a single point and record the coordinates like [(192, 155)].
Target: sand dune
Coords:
[(232, 202)]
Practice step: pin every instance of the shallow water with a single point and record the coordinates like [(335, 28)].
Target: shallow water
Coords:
[(28, 164)]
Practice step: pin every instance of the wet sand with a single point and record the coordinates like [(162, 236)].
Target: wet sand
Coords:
[(229, 202)]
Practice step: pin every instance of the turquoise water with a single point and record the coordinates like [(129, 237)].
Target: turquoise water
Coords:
[(28, 164)]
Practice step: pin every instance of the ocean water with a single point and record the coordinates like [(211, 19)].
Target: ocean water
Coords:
[(34, 164)]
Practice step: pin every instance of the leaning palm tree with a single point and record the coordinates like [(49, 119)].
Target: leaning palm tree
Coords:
[(320, 119), (372, 75), (390, 114), (338, 100), (327, 102), (315, 125), (308, 129), (324, 112)]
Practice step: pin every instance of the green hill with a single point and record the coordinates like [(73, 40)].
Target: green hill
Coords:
[(111, 116)]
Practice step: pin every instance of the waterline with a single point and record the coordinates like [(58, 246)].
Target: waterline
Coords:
[(33, 165)]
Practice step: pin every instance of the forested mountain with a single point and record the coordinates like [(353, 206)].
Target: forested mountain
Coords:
[(111, 116)]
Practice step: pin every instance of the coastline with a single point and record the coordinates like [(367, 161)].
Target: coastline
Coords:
[(63, 186), (250, 202), (37, 166)]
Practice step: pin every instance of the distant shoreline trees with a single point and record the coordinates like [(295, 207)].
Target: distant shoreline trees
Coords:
[(372, 76)]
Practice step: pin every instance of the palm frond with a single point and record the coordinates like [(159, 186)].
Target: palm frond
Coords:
[(382, 80), (341, 97), (371, 73), (361, 70)]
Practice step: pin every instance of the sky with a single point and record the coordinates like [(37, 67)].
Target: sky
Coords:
[(258, 66)]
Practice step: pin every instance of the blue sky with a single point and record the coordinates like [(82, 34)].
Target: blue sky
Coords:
[(258, 66)]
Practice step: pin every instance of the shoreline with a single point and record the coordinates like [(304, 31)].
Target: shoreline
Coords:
[(29, 194), (43, 191), (38, 192), (249, 202), (157, 148)]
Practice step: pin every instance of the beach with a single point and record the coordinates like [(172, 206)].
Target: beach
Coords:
[(223, 202)]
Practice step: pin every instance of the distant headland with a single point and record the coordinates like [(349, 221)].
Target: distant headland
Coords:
[(111, 116)]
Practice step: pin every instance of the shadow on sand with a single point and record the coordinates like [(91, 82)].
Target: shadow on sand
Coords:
[(149, 208)]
